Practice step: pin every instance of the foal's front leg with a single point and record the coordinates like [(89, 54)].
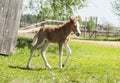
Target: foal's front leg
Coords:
[(68, 53), (60, 54)]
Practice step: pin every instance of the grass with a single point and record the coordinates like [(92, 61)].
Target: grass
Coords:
[(87, 64), (99, 38)]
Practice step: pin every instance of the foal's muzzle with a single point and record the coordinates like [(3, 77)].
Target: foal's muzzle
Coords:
[(78, 34)]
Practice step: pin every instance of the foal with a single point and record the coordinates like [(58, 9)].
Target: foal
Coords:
[(54, 34)]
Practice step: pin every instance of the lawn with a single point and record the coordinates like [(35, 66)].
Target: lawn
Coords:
[(87, 64)]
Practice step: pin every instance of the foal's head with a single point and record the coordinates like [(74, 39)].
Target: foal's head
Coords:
[(75, 26)]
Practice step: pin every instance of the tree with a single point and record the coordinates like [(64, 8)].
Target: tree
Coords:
[(27, 19), (55, 9), (66, 8), (91, 24), (80, 20), (108, 26), (116, 7)]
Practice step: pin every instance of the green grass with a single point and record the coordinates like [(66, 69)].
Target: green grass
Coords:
[(99, 38), (87, 64)]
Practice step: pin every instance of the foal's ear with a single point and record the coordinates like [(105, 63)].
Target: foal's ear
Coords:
[(73, 19)]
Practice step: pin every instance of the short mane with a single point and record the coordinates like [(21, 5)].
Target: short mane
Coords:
[(54, 27)]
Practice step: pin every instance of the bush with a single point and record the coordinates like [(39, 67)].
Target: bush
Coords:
[(23, 42)]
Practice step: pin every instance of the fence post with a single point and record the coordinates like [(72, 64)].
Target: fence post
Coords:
[(96, 28), (85, 28)]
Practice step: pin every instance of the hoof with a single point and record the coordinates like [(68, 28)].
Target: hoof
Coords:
[(63, 65), (48, 66), (27, 67)]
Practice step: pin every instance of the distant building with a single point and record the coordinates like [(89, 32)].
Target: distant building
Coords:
[(99, 27)]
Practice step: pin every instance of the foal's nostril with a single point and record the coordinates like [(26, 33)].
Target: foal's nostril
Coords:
[(78, 34)]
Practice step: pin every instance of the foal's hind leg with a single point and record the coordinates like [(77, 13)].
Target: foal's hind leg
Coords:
[(31, 54), (43, 51), (38, 44)]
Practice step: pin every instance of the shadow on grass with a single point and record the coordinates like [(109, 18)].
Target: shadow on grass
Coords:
[(4, 55), (24, 68), (30, 69)]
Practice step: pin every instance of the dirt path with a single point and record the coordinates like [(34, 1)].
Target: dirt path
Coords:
[(102, 43)]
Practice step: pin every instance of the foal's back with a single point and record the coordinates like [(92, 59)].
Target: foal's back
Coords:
[(53, 33)]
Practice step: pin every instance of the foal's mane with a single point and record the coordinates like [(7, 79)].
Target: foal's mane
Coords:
[(54, 27)]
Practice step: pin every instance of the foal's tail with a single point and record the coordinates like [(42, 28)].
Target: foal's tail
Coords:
[(35, 40)]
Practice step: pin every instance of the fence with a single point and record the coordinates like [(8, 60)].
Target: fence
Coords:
[(104, 33)]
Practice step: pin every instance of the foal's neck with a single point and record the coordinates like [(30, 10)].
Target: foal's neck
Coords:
[(67, 28)]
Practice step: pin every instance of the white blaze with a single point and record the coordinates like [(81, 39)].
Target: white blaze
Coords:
[(78, 28)]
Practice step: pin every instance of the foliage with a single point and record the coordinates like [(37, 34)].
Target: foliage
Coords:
[(28, 18), (80, 20), (23, 42), (55, 9), (88, 64), (40, 10), (91, 24), (108, 26), (116, 7)]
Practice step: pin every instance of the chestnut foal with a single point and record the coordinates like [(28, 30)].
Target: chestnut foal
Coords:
[(55, 34)]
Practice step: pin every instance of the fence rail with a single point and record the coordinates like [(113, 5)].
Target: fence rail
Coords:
[(35, 27), (105, 33), (43, 23)]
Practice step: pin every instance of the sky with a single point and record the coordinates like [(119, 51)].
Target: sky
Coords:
[(100, 8)]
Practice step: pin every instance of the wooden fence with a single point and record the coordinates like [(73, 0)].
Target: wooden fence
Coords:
[(35, 27), (104, 33), (10, 13)]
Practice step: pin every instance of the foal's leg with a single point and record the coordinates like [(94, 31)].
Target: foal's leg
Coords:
[(60, 55), (31, 54), (68, 53), (43, 51), (35, 46)]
